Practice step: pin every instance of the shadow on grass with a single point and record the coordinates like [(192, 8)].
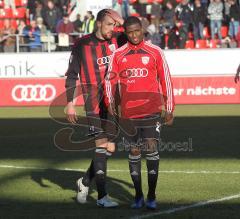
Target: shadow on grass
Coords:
[(66, 180), (210, 137), (26, 209)]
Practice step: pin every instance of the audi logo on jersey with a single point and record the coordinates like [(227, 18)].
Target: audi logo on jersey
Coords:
[(36, 93), (136, 73), (104, 60)]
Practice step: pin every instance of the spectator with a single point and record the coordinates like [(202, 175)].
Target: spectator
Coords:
[(38, 10), (89, 23), (32, 35), (6, 37), (63, 5), (177, 36), (41, 26), (141, 8), (184, 13), (199, 18), (122, 7), (78, 24), (74, 9), (169, 16), (20, 28), (44, 34), (1, 41), (64, 28), (51, 15), (234, 16), (215, 11), (153, 35), (55, 2), (226, 11), (116, 5), (238, 39), (125, 8), (31, 9), (145, 24), (204, 4), (156, 13)]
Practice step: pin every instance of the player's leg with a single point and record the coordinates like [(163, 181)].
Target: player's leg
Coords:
[(89, 175), (98, 166), (100, 171), (151, 136), (84, 182), (152, 160), (150, 133), (104, 149), (135, 172)]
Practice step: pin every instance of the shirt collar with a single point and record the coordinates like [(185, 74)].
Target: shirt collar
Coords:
[(136, 47)]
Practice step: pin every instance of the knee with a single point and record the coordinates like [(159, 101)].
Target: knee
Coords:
[(103, 143), (111, 147), (151, 145), (135, 152)]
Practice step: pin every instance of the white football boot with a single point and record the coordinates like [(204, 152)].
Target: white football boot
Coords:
[(106, 202), (82, 191)]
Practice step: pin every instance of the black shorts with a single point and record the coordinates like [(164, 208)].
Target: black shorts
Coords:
[(136, 131), (102, 125)]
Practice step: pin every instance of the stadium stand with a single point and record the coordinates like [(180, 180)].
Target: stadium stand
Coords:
[(201, 44), (20, 12), (189, 44)]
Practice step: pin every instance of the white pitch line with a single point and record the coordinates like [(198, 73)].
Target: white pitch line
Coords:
[(121, 170), (181, 208)]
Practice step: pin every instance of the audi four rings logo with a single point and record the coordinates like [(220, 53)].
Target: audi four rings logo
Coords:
[(103, 60), (137, 73), (37, 93)]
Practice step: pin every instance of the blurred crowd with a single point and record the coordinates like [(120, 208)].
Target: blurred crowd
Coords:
[(171, 24)]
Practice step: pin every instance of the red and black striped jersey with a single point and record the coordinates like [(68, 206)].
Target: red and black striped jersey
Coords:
[(89, 62), (142, 75)]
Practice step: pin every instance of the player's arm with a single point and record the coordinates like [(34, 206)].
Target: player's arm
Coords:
[(70, 84), (111, 80), (237, 77), (167, 88)]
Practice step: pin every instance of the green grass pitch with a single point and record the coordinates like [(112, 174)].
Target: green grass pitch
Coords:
[(37, 180)]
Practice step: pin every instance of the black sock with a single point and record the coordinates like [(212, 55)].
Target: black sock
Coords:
[(100, 168), (152, 167), (88, 176), (135, 172)]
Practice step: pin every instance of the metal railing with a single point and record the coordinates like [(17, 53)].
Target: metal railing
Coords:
[(48, 41)]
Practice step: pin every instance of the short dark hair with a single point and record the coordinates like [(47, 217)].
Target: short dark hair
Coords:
[(101, 14), (132, 20)]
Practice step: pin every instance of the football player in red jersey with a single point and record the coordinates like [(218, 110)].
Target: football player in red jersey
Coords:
[(89, 62), (140, 70)]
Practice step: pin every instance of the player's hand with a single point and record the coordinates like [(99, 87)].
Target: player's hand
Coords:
[(237, 78), (71, 113), (115, 16), (168, 119)]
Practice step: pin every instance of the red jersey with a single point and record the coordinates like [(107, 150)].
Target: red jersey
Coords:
[(142, 75)]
